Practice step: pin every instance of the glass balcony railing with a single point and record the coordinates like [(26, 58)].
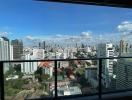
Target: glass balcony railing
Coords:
[(64, 78)]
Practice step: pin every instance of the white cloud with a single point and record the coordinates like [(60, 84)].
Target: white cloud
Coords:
[(5, 33), (86, 35), (126, 22), (32, 39), (125, 26), (106, 37), (58, 36), (73, 39), (83, 36), (29, 37)]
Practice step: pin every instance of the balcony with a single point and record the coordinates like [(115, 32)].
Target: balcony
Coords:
[(66, 79), (82, 79)]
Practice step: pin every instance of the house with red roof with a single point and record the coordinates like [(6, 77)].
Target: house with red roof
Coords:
[(47, 67)]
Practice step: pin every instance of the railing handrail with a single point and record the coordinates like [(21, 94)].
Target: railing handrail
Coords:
[(40, 60)]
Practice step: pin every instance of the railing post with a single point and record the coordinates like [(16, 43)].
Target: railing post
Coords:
[(1, 81), (56, 96), (100, 78)]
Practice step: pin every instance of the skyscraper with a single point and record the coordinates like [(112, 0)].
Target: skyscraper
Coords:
[(123, 47), (17, 49), (106, 50), (6, 51), (42, 45)]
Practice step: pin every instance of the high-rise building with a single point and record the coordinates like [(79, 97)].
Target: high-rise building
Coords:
[(123, 47), (42, 45), (6, 51), (17, 49), (11, 51), (106, 50), (124, 73)]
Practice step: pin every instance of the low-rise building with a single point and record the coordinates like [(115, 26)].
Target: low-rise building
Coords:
[(71, 90)]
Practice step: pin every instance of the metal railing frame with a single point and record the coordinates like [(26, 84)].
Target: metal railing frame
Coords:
[(55, 64)]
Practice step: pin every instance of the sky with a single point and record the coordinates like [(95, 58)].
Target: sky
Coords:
[(34, 20)]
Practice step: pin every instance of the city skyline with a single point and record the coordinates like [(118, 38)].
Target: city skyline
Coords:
[(35, 21), (58, 49)]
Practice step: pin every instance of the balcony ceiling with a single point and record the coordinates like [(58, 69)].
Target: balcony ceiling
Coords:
[(115, 3)]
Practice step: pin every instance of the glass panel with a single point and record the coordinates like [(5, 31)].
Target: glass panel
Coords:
[(77, 77), (28, 80), (117, 76), (108, 75), (32, 30)]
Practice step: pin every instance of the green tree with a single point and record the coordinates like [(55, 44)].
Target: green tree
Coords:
[(38, 74), (11, 71)]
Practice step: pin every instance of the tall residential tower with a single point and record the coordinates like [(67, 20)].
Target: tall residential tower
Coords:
[(17, 49), (106, 50)]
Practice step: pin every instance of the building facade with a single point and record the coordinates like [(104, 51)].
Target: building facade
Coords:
[(17, 49), (29, 67), (123, 47), (106, 50), (124, 73), (6, 51)]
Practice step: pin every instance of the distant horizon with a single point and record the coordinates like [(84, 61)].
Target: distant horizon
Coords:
[(34, 21)]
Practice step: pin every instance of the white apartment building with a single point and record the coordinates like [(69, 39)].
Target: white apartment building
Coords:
[(11, 51), (38, 53), (6, 51), (31, 67), (70, 52), (106, 50), (28, 67)]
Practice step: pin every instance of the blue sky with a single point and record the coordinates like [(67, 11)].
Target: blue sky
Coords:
[(24, 18)]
